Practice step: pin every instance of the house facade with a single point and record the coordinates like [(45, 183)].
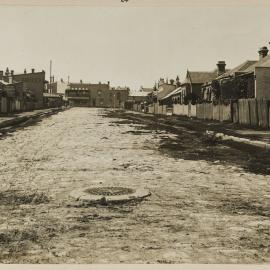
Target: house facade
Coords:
[(191, 88), (250, 79)]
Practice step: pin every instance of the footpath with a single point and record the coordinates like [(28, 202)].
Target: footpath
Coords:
[(225, 131), (21, 119)]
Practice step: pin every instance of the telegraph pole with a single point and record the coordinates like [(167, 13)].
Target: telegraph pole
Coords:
[(50, 88)]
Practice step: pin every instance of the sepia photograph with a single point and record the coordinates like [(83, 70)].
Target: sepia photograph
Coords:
[(135, 132)]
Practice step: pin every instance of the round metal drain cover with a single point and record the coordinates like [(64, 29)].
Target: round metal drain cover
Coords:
[(105, 195)]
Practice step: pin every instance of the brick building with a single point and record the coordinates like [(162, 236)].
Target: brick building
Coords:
[(34, 83), (96, 95), (88, 94)]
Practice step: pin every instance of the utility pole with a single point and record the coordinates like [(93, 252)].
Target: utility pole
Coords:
[(50, 88)]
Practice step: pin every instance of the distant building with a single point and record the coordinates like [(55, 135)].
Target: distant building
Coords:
[(58, 87), (96, 95), (138, 100), (87, 94), (163, 89), (118, 96), (51, 100), (14, 95), (34, 83)]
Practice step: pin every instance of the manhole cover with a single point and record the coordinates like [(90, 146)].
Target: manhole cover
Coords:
[(106, 195)]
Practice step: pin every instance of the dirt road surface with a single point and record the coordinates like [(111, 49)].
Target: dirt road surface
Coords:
[(204, 207)]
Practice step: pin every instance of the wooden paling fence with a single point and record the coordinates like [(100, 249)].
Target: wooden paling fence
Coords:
[(249, 112)]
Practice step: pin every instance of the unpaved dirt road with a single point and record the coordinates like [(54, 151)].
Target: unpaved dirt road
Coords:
[(201, 210)]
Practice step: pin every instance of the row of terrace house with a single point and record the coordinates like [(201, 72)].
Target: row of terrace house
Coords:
[(240, 94), (250, 79)]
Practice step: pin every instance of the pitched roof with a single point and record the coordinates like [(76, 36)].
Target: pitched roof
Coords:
[(244, 67), (174, 92), (264, 62), (200, 76), (165, 89)]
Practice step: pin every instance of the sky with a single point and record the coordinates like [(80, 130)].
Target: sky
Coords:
[(129, 46)]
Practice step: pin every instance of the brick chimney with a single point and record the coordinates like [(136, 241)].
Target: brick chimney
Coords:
[(263, 51), (221, 67)]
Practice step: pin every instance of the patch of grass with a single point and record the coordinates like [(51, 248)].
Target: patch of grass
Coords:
[(16, 197)]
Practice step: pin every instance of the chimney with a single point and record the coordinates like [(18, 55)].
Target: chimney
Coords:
[(263, 51), (62, 80), (177, 81), (33, 70), (80, 81), (12, 72), (25, 71), (1, 74), (221, 67), (108, 82), (7, 72)]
